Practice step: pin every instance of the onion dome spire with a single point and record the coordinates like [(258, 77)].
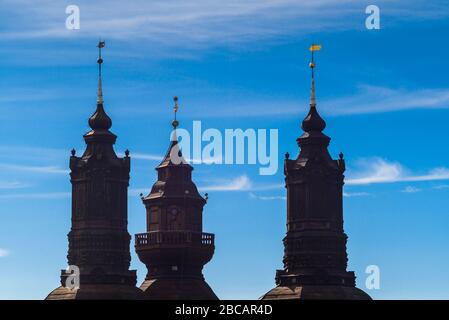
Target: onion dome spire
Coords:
[(100, 120), (313, 121)]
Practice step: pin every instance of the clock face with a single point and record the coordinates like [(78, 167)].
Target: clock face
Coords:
[(174, 211)]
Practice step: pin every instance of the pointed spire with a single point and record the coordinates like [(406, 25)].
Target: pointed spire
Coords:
[(173, 154), (313, 121), (100, 120), (312, 94), (100, 91)]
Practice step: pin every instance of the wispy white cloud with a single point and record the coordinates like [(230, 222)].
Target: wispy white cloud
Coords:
[(11, 95), (33, 153), (377, 170), (367, 99), (156, 157), (441, 186), (167, 22), (374, 99), (36, 101), (366, 172), (266, 198), (240, 183), (12, 185), (355, 194), (206, 160), (201, 22), (143, 156), (411, 189), (44, 195), (34, 169), (3, 253)]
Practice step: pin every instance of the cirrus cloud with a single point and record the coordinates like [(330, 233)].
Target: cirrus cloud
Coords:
[(201, 22), (378, 170), (3, 253)]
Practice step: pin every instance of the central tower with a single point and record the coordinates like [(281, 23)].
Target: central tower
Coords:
[(174, 248), (315, 257)]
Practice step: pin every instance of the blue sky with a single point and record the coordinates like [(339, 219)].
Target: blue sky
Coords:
[(384, 94)]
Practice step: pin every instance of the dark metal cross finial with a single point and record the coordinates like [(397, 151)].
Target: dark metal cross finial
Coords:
[(101, 45), (175, 122)]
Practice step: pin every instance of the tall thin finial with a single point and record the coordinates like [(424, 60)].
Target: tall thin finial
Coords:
[(312, 65), (175, 122), (313, 122), (100, 120), (100, 45)]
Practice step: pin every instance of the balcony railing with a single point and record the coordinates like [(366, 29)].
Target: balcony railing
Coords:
[(174, 238)]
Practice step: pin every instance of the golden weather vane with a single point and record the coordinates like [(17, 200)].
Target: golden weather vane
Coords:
[(313, 48)]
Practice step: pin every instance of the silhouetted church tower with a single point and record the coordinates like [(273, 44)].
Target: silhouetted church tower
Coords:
[(315, 258), (99, 240), (174, 248)]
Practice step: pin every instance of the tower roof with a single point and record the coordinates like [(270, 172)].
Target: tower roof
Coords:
[(313, 120), (174, 172), (173, 156), (99, 120)]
